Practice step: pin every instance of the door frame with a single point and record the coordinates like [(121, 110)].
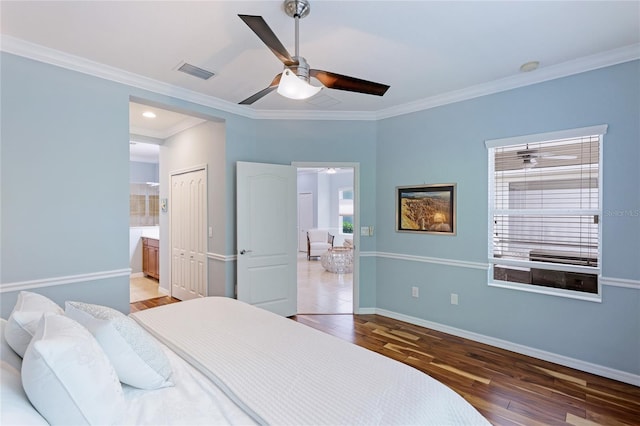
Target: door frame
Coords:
[(356, 218)]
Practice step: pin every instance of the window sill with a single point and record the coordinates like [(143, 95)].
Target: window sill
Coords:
[(550, 291)]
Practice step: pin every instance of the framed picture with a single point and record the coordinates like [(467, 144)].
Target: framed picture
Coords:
[(426, 209)]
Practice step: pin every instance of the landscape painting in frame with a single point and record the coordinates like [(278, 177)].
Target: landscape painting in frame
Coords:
[(428, 209)]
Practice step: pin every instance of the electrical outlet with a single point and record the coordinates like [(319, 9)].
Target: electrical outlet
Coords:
[(415, 292), (454, 299)]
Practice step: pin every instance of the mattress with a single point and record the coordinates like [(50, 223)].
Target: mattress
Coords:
[(283, 372)]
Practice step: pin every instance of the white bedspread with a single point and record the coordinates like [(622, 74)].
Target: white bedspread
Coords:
[(193, 400), (282, 372)]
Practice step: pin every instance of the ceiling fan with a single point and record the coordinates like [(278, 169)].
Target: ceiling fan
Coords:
[(529, 157), (293, 81)]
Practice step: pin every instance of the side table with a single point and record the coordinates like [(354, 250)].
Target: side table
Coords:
[(338, 260)]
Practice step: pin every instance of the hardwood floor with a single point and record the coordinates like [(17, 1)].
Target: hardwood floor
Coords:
[(152, 303), (507, 388)]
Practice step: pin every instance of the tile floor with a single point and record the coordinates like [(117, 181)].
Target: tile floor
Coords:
[(322, 292), (319, 291), (143, 288)]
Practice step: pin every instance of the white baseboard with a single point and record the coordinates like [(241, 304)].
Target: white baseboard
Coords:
[(137, 275), (610, 373)]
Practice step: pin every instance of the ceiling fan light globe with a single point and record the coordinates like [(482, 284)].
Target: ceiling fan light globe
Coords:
[(293, 87)]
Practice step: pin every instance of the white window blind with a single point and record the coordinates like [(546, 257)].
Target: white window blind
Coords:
[(544, 211)]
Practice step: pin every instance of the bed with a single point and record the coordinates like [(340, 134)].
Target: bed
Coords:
[(232, 363)]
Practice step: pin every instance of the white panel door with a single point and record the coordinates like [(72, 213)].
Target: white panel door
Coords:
[(266, 213), (305, 218), (189, 235)]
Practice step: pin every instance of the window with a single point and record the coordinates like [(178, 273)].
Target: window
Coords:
[(544, 212), (345, 210)]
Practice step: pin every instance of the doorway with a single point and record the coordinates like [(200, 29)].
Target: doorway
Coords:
[(153, 128), (144, 229), (322, 191)]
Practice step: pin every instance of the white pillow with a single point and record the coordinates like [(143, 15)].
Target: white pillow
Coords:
[(67, 376), (25, 317), (137, 358), (6, 353), (16, 408)]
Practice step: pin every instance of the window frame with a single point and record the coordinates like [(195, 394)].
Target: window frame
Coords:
[(491, 144), (341, 191)]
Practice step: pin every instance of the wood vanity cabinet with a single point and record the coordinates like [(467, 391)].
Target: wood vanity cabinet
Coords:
[(150, 263)]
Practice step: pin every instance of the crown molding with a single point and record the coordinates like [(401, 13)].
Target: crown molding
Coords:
[(565, 69), (58, 58), (157, 135), (316, 115), (61, 59)]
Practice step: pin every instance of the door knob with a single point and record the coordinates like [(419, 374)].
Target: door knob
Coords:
[(245, 251)]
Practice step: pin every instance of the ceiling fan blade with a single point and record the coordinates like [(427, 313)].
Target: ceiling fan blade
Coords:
[(351, 84), (273, 86), (263, 31)]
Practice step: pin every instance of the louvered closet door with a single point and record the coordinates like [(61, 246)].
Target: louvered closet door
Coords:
[(189, 235)]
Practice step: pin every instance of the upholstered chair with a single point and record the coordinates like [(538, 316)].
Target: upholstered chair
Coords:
[(318, 242)]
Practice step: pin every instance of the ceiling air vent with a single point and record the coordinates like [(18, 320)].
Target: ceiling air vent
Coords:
[(195, 71)]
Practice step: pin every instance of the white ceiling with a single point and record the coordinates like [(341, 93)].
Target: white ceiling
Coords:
[(147, 133), (422, 49)]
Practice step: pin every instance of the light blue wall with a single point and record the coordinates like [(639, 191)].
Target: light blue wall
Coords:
[(65, 178), (446, 144), (143, 172), (286, 141), (66, 214), (52, 189)]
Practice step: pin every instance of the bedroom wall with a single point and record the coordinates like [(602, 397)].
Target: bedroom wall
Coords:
[(56, 122), (64, 171), (54, 110), (201, 145), (446, 144)]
